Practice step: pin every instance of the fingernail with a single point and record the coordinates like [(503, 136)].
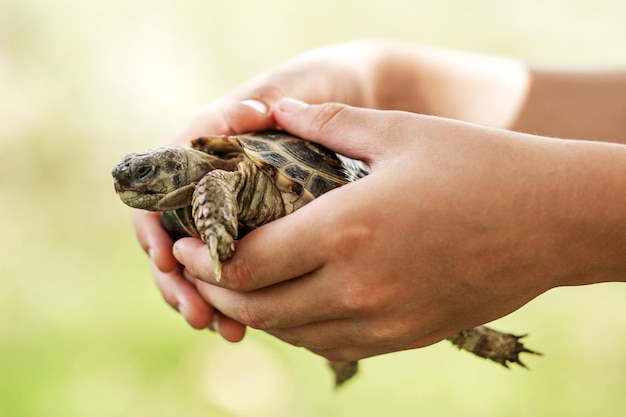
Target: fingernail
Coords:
[(257, 105), (288, 105), (176, 250), (188, 276), (182, 309), (215, 326)]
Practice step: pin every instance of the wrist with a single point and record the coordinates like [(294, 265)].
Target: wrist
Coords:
[(589, 211), (538, 212)]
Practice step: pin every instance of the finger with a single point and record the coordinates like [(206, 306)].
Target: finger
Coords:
[(250, 108), (321, 324), (336, 340), (350, 131), (154, 239), (228, 328), (353, 339), (328, 74), (227, 116), (365, 348), (276, 252), (183, 297), (293, 303), (194, 255), (247, 109), (249, 115), (167, 272), (324, 335)]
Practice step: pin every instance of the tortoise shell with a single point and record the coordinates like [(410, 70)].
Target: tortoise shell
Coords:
[(312, 167)]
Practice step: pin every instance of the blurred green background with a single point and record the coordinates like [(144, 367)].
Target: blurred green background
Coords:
[(83, 329)]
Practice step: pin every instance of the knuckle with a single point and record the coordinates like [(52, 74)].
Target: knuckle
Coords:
[(166, 287), (172, 301), (349, 236), (249, 315), (382, 335), (326, 114), (202, 272), (358, 295), (358, 298), (237, 275), (269, 92)]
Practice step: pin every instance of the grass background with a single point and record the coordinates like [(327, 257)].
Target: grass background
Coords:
[(83, 330)]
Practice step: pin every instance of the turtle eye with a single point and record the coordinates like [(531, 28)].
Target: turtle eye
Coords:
[(144, 172)]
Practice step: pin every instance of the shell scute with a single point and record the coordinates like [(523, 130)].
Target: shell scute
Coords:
[(312, 166), (275, 159), (255, 145), (297, 173)]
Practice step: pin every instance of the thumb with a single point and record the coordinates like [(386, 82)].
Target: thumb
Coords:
[(350, 131)]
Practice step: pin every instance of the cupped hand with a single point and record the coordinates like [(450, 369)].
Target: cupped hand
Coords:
[(329, 74), (454, 227)]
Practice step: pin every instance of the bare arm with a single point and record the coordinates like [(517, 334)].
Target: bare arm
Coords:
[(488, 90), (499, 92), (579, 105)]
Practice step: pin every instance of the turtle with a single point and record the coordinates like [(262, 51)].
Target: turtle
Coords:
[(221, 187)]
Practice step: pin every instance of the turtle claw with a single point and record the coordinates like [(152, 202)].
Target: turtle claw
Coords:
[(217, 270), (215, 215), (503, 348), (215, 257)]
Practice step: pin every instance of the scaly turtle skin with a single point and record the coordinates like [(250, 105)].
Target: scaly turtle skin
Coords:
[(225, 186)]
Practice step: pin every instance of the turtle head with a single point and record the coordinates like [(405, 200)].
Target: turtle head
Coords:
[(160, 179)]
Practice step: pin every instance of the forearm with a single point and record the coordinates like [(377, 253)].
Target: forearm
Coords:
[(549, 211), (590, 207), (576, 105), (499, 92), (476, 88), (538, 212)]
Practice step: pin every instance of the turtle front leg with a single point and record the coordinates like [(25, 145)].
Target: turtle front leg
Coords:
[(224, 201), (214, 210)]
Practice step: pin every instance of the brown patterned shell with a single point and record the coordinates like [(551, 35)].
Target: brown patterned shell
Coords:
[(313, 166)]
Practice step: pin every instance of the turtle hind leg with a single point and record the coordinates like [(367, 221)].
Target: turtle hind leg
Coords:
[(503, 348), (343, 370)]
